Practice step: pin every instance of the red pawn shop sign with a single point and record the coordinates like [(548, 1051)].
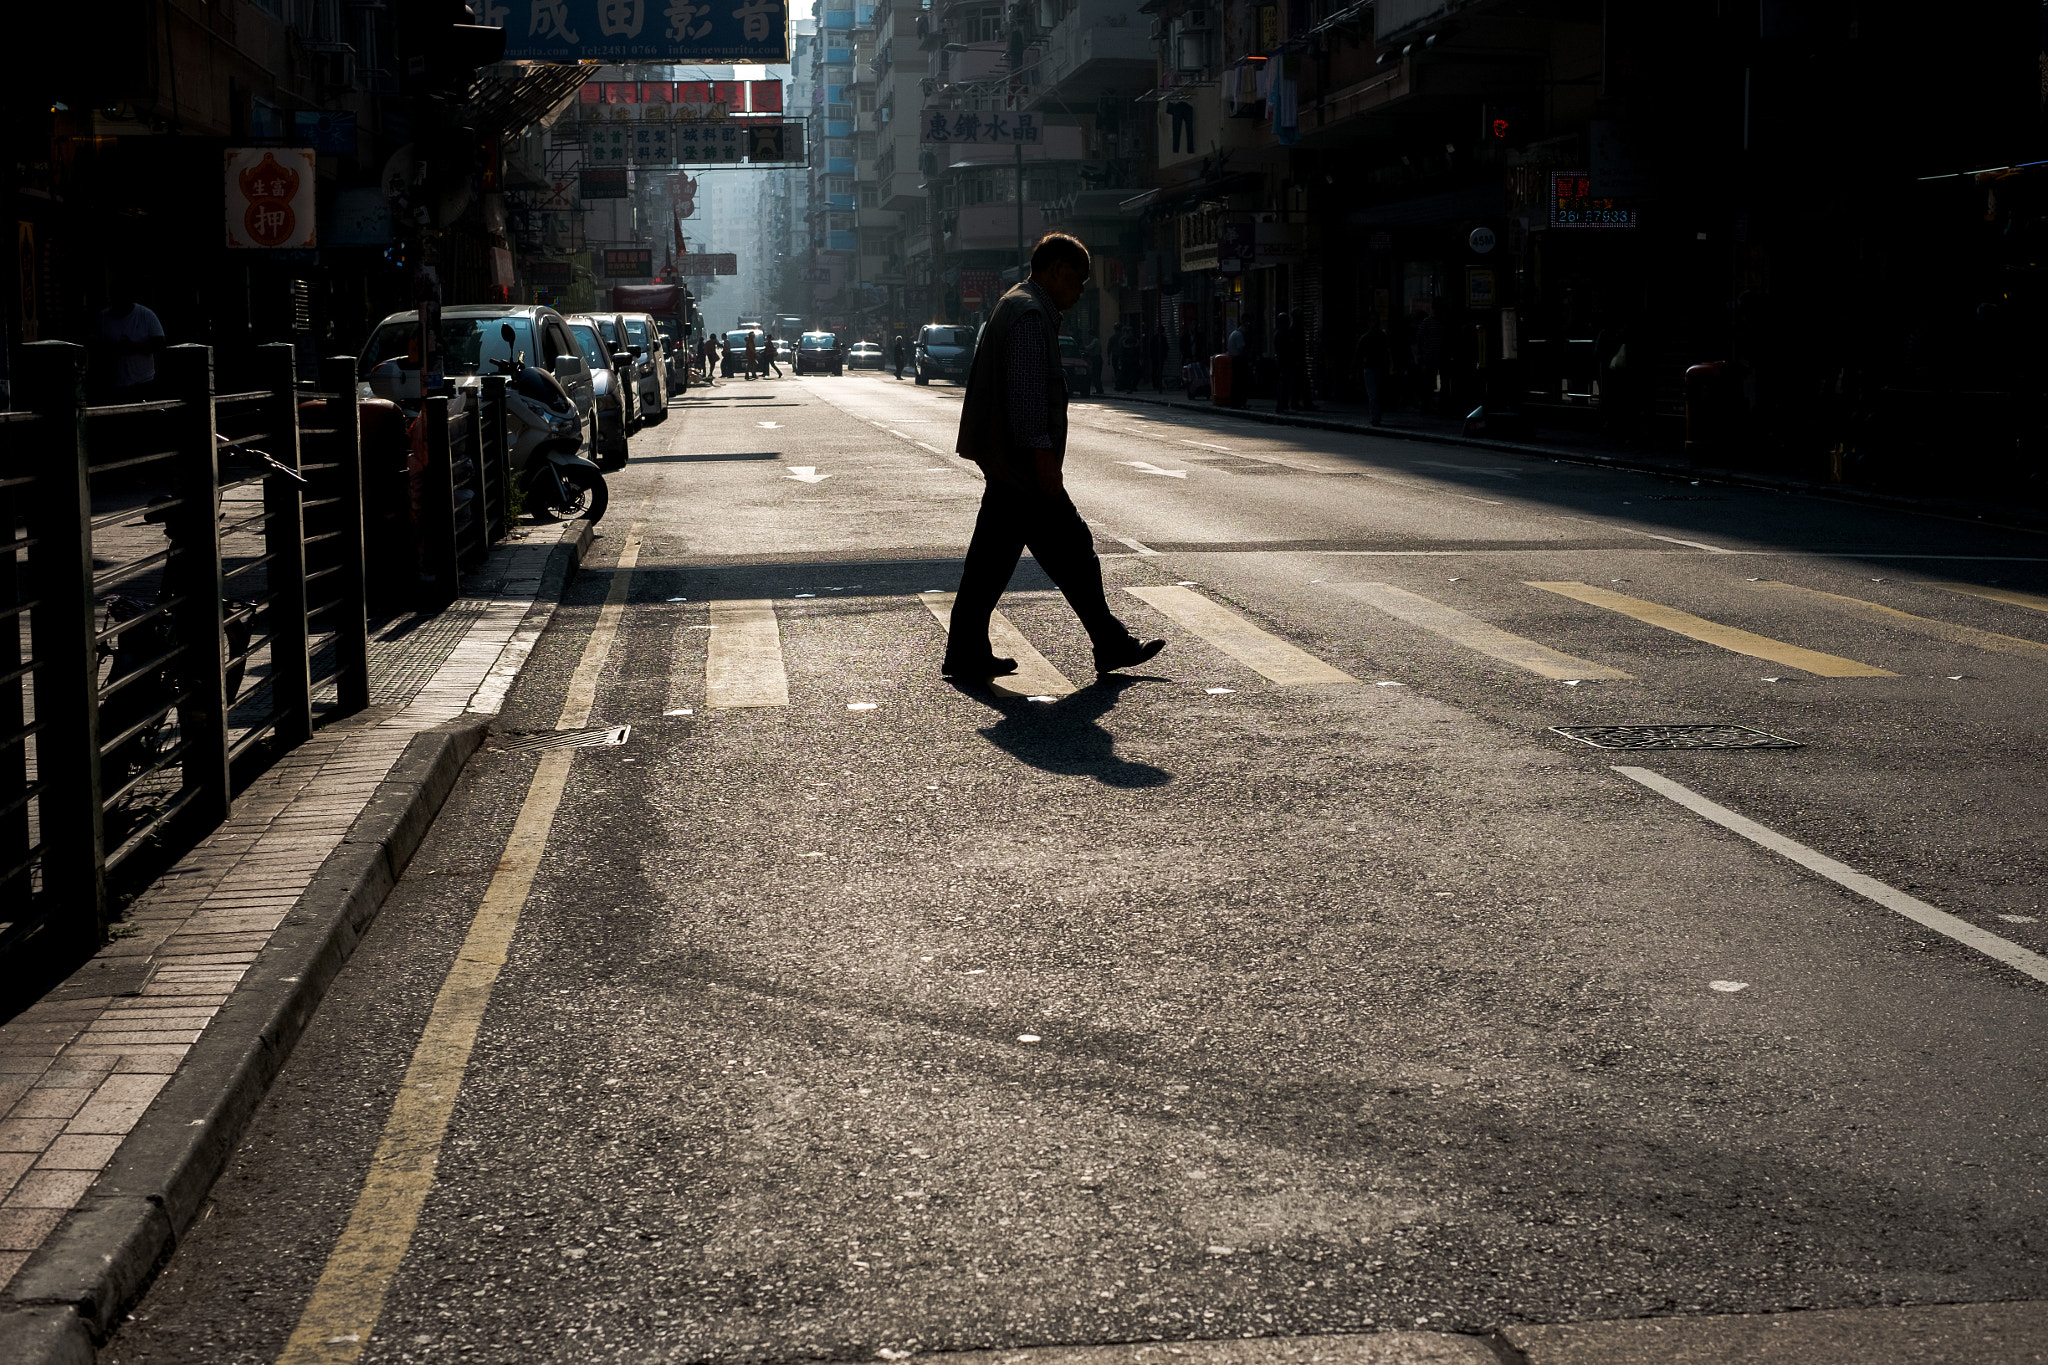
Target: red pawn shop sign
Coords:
[(270, 197)]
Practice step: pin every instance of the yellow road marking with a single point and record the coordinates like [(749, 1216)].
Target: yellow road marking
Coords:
[(1473, 633), (1941, 630), (743, 666), (1714, 633), (1035, 675), (342, 1312), (2005, 595), (1267, 655)]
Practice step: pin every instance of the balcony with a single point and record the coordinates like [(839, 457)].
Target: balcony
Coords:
[(993, 227), (1104, 46)]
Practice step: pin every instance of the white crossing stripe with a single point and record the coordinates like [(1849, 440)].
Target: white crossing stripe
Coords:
[(1730, 638), (2005, 595), (1870, 888), (744, 664), (1905, 620), (1035, 675), (1473, 633), (1267, 655)]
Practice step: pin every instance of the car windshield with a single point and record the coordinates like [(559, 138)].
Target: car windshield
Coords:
[(739, 339), (947, 336), (1070, 349), (819, 341), (594, 354), (467, 344), (636, 331)]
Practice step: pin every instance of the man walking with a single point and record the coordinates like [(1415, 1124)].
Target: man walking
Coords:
[(126, 339), (768, 357), (896, 353), (1092, 353), (1375, 359), (1013, 423), (753, 357)]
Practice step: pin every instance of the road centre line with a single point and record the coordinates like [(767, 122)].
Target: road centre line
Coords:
[(1265, 654), (1870, 888), (1475, 634), (1135, 545), (1714, 633), (933, 449), (1206, 446), (1925, 625), (341, 1313), (2005, 595), (743, 661), (1035, 676)]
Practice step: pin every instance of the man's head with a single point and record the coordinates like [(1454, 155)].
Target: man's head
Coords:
[(1060, 265)]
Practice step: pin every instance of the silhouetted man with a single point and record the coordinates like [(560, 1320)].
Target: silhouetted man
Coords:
[(1013, 423)]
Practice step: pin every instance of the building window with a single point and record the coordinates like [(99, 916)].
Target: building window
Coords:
[(867, 146), (867, 197), (867, 101)]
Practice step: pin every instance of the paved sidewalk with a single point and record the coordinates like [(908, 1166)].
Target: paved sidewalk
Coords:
[(80, 1068)]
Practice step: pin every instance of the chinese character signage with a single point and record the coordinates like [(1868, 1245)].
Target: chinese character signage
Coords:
[(708, 263), (270, 197), (552, 274), (628, 262), (604, 182), (749, 31), (998, 127), (1574, 205)]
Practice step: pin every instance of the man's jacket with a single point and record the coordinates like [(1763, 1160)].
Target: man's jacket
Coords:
[(985, 426)]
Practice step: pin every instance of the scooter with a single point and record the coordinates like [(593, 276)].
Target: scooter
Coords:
[(546, 436)]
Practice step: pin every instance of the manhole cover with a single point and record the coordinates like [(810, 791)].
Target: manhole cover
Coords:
[(598, 736), (1674, 737)]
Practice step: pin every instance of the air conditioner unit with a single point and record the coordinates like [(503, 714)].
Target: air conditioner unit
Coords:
[(1197, 21)]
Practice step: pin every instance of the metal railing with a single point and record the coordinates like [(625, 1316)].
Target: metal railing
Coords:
[(182, 582)]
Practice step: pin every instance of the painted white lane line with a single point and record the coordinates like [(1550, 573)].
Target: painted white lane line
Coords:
[(1870, 888), (1140, 548), (1265, 654), (1473, 633), (1730, 638), (1143, 468), (1206, 446), (1905, 620), (933, 449), (1035, 676), (1689, 544), (806, 473), (743, 666), (2005, 595), (583, 683)]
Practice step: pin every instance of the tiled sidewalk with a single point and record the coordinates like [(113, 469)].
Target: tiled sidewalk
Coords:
[(79, 1068)]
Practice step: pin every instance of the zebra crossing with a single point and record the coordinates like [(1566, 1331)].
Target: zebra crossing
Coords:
[(745, 664)]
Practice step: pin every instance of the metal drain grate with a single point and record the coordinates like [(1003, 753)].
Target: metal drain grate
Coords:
[(1675, 737), (602, 736)]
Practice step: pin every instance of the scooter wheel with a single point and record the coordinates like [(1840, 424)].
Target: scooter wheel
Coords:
[(586, 496)]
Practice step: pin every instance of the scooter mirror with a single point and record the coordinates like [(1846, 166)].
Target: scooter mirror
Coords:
[(505, 331)]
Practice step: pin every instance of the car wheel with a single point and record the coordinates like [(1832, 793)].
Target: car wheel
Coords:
[(921, 378)]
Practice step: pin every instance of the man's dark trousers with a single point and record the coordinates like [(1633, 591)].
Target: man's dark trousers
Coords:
[(1011, 519)]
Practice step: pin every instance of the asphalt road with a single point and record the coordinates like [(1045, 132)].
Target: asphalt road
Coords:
[(1195, 1004)]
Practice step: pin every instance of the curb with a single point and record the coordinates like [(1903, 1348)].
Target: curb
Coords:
[(1992, 514), (565, 556), (72, 1293)]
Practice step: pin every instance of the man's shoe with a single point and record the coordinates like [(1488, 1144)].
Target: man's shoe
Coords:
[(984, 668), (1129, 654)]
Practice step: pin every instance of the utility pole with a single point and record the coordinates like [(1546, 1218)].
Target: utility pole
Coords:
[(1022, 261)]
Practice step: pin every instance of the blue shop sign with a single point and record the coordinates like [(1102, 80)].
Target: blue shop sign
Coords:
[(750, 31)]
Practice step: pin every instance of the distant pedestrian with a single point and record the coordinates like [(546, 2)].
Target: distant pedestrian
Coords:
[(126, 340), (768, 357), (753, 358), (1157, 355), (1013, 423), (1286, 350), (1127, 353), (1432, 354), (899, 352), (1092, 353), (1375, 360), (1238, 349)]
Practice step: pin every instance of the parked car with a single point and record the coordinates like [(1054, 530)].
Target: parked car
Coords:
[(650, 364), (734, 359), (818, 353), (1074, 366), (612, 330), (609, 393), (472, 337), (865, 355), (944, 352)]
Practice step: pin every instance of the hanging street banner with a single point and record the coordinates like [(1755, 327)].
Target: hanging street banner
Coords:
[(997, 127), (732, 142), (628, 262), (754, 32), (603, 182)]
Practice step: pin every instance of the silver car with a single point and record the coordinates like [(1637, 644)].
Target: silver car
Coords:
[(607, 390), (472, 335), (650, 363)]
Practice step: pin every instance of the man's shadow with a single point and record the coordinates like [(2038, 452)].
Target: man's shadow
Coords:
[(1063, 736)]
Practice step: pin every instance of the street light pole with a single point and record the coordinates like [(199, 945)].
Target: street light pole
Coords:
[(1019, 146)]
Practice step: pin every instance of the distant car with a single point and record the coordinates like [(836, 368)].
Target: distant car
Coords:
[(818, 353), (734, 359), (944, 352), (865, 355), (609, 393), (650, 364), (1074, 366)]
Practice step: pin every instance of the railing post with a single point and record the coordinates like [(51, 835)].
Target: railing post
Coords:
[(351, 611), (491, 458), (291, 687), (440, 574), (194, 527), (15, 593), (64, 622)]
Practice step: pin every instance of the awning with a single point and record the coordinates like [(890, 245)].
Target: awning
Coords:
[(513, 96)]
